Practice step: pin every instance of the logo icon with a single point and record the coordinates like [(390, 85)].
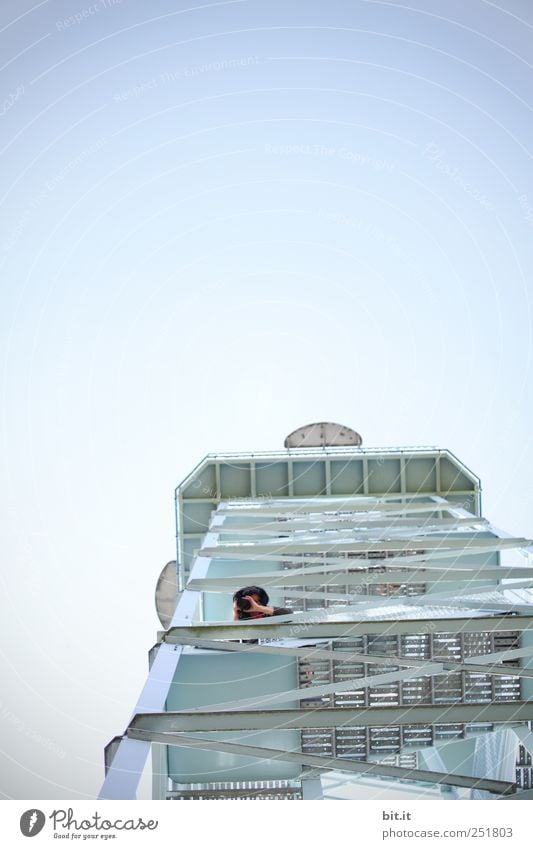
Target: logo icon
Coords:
[(32, 822)]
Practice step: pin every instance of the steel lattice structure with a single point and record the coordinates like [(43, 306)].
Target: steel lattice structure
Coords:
[(406, 665)]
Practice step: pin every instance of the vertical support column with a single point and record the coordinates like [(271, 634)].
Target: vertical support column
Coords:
[(290, 478), (159, 771), (327, 465), (403, 478), (124, 774), (253, 480), (365, 475), (180, 556), (218, 494)]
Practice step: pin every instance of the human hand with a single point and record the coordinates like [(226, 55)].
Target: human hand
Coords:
[(253, 606)]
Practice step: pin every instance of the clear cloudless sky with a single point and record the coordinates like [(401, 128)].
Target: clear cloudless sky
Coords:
[(221, 221)]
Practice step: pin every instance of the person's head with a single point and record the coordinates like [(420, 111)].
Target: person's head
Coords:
[(257, 593)]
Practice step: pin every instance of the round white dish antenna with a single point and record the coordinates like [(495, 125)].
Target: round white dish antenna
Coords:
[(322, 434)]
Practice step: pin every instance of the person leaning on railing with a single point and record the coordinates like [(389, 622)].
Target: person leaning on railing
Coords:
[(252, 603)]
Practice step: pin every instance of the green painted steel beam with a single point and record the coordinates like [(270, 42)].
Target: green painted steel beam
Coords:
[(325, 523), (321, 629), (268, 720), (400, 503), (525, 796), (318, 690), (340, 657), (331, 562), (286, 546), (362, 600), (391, 527), (468, 596), (326, 557), (331, 577), (326, 764)]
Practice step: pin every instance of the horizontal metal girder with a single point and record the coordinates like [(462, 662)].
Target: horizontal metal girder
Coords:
[(298, 578), (524, 796), (295, 507), (286, 580), (319, 690), (350, 628), (379, 607), (286, 546), (326, 562), (472, 597), (268, 720), (392, 528), (326, 558), (494, 606), (340, 657), (361, 600), (336, 523), (326, 764), (469, 598)]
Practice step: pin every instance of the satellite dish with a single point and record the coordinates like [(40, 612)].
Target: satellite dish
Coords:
[(166, 594), (321, 434)]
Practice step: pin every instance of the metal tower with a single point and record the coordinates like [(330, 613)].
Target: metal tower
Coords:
[(406, 667)]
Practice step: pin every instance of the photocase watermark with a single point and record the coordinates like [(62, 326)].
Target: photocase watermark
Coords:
[(65, 824), (86, 13), (391, 243), (186, 73), (11, 99), (48, 188), (30, 733), (313, 617), (32, 822), (211, 492), (526, 208), (65, 820), (323, 151), (437, 157)]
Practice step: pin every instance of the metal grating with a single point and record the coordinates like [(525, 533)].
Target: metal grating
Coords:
[(228, 790), (462, 687), (294, 600), (524, 769)]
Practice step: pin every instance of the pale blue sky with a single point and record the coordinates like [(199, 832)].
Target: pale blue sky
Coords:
[(219, 222)]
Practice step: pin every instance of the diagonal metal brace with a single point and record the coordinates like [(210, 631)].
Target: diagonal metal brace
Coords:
[(325, 764)]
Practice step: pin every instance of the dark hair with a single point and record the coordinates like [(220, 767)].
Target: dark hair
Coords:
[(258, 591)]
